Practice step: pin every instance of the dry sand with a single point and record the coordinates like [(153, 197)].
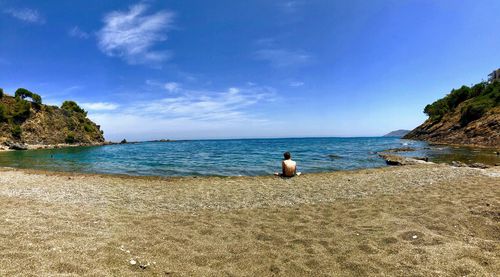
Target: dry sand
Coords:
[(423, 220)]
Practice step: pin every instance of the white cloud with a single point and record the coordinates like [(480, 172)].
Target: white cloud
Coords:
[(282, 57), (296, 84), (26, 15), (233, 90), (76, 32), (133, 34), (99, 106), (205, 105), (171, 86), (189, 111)]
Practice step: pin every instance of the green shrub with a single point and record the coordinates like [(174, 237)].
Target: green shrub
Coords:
[(3, 113), (70, 138), (71, 125), (479, 97), (71, 106), (36, 98), (477, 89), (437, 109), (88, 128), (475, 110), (21, 110), (16, 131), (458, 96), (1, 93)]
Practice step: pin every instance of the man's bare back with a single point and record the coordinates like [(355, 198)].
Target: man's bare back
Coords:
[(288, 166)]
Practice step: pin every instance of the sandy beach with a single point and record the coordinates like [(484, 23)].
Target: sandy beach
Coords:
[(422, 220)]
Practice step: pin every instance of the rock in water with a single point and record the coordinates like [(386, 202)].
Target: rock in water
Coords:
[(400, 160), (333, 156), (402, 149)]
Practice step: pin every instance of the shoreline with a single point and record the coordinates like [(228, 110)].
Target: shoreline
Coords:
[(4, 147), (66, 145), (392, 157), (409, 220), (401, 161), (479, 146), (159, 177)]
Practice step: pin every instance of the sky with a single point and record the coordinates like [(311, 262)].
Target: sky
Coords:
[(248, 69)]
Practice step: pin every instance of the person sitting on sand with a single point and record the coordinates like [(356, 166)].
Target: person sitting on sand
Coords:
[(288, 166)]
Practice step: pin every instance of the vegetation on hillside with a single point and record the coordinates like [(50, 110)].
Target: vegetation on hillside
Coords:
[(72, 106), (24, 118), (477, 100)]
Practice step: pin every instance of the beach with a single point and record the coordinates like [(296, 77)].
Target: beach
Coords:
[(414, 220)]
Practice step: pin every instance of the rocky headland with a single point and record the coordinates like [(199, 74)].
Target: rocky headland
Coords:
[(466, 116), (26, 123)]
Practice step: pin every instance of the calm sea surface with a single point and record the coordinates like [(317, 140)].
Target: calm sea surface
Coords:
[(232, 157)]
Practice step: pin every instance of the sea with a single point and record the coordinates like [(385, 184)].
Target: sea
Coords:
[(234, 157)]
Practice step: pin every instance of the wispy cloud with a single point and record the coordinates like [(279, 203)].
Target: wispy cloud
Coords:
[(26, 15), (133, 34), (280, 57), (296, 84), (76, 32), (189, 110), (172, 86), (99, 106), (205, 105), (169, 86)]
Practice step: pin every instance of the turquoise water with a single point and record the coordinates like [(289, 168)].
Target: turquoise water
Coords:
[(217, 157)]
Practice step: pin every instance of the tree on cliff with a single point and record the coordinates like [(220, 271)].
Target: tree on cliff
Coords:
[(22, 93)]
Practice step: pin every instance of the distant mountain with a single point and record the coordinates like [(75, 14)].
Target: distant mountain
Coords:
[(467, 116), (24, 119), (397, 133)]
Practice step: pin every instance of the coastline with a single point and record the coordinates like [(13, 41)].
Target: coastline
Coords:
[(478, 146), (392, 220), (4, 147)]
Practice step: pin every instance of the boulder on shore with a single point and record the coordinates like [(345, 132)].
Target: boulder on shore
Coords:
[(473, 165), (16, 146)]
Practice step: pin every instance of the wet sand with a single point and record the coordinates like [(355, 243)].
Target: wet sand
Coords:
[(417, 220)]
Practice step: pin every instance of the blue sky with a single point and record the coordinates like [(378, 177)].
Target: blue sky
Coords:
[(231, 69)]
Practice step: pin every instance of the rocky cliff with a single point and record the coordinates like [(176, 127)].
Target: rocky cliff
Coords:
[(466, 116), (24, 119)]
